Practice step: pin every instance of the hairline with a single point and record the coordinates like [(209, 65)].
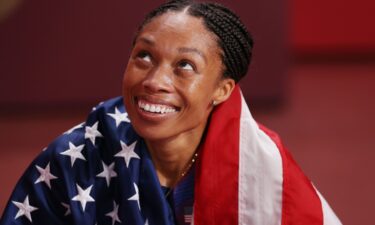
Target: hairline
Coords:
[(187, 10)]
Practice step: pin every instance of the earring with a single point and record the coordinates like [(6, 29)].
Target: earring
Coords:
[(214, 103)]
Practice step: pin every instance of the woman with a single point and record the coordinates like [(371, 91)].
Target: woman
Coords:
[(180, 147)]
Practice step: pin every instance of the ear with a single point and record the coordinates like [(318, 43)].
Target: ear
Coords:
[(223, 90)]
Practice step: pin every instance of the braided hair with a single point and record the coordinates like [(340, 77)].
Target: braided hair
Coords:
[(232, 35)]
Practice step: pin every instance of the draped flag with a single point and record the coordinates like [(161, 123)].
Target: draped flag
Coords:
[(100, 172), (97, 173), (246, 176)]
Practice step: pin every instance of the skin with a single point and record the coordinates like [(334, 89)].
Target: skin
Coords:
[(175, 62)]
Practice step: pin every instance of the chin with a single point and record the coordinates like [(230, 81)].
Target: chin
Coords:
[(153, 133)]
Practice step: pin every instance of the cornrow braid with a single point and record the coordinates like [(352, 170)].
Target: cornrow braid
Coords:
[(232, 35)]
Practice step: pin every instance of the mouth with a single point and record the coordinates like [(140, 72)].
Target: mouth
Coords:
[(155, 107)]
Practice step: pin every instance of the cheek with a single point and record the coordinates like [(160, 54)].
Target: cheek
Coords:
[(131, 77), (199, 97)]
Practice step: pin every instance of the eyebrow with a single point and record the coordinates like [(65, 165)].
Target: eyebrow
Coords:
[(193, 50), (181, 50), (146, 41)]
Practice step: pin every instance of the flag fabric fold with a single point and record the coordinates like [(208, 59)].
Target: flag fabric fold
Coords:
[(100, 172), (246, 176)]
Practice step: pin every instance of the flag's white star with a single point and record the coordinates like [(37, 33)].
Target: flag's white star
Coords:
[(146, 223), (127, 152), (24, 209), (74, 152), (45, 175), (74, 128), (135, 197), (108, 172), (67, 207), (83, 196), (119, 117), (114, 214), (92, 132)]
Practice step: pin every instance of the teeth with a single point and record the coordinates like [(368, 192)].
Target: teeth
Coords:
[(152, 108), (155, 108)]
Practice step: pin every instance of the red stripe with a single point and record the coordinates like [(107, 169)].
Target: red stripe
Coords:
[(216, 184), (301, 203)]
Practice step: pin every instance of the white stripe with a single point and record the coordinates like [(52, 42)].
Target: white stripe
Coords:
[(260, 175), (329, 217)]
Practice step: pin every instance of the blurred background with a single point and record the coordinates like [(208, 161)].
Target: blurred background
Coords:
[(312, 80)]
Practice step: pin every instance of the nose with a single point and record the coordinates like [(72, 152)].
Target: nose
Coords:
[(158, 80)]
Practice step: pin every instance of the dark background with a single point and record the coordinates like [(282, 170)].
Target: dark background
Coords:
[(312, 80), (69, 52)]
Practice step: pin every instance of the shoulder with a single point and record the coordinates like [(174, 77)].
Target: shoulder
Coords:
[(90, 144), (83, 160), (105, 126)]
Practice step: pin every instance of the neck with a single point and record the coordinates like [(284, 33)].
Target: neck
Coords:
[(173, 157)]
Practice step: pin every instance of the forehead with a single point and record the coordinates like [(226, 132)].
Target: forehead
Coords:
[(179, 27)]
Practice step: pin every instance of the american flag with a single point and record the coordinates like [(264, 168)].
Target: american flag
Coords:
[(100, 172), (246, 176), (188, 215)]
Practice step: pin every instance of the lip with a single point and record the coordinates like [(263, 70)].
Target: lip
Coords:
[(152, 116)]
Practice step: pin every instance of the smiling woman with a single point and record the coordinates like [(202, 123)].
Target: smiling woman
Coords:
[(169, 70), (181, 134)]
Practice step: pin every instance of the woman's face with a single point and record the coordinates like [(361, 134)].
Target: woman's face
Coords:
[(173, 75)]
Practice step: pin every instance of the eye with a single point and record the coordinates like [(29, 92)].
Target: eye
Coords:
[(145, 56), (186, 65)]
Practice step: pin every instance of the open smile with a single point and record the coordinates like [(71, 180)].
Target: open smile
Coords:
[(154, 110)]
